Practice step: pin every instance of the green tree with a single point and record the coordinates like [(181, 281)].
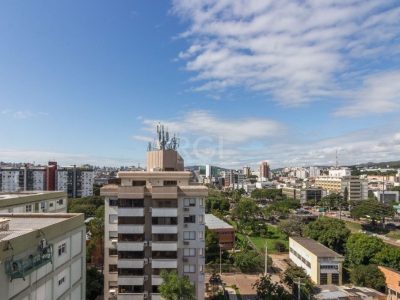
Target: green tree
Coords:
[(175, 287), (268, 290), (361, 248), (368, 276), (332, 201), (245, 211), (372, 209), (333, 233), (389, 257), (281, 208), (217, 201), (292, 227), (94, 283), (291, 277), (212, 246), (249, 261)]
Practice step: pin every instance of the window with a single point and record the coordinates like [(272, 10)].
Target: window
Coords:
[(201, 219), (61, 280), (170, 183), (51, 204), (112, 252), (62, 249), (28, 208), (201, 252), (189, 252), (130, 203), (60, 201), (113, 234), (113, 219), (201, 202), (189, 268), (201, 235), (189, 202), (189, 235), (113, 202), (323, 278), (335, 278), (189, 219), (112, 268)]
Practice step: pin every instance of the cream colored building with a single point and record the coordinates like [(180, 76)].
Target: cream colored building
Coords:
[(357, 188), (323, 265), (154, 220), (33, 202), (42, 256)]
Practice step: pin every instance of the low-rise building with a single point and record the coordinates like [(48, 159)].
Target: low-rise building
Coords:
[(333, 292), (387, 196), (33, 202), (224, 231), (292, 192), (323, 265), (42, 256), (392, 282)]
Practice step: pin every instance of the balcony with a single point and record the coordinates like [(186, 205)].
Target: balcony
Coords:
[(164, 192), (131, 212), (131, 263), (130, 280), (164, 246), (131, 229), (156, 280), (164, 263), (164, 229), (130, 246), (19, 268), (164, 212), (131, 192), (131, 297)]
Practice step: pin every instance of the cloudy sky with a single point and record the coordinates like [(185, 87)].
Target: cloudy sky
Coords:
[(238, 81)]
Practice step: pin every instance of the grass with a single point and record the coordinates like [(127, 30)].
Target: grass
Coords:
[(354, 227), (274, 236), (394, 234)]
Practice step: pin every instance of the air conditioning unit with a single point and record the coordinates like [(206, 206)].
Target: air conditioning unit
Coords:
[(112, 292), (114, 242), (146, 243), (146, 277)]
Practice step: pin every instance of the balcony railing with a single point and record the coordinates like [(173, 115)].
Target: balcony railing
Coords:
[(19, 268)]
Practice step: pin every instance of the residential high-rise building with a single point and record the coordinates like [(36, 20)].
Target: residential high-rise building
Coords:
[(264, 171), (154, 222), (75, 181), (246, 171), (314, 172), (23, 179), (42, 256)]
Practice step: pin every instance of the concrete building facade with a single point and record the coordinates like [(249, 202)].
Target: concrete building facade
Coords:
[(42, 256), (154, 221), (224, 231), (75, 181), (323, 265), (33, 202)]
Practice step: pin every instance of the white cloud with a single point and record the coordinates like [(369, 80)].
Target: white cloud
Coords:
[(291, 50), (380, 93), (229, 130), (22, 114)]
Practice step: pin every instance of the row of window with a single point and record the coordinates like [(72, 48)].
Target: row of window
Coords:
[(187, 268), (323, 278), (187, 252), (187, 236), (305, 261)]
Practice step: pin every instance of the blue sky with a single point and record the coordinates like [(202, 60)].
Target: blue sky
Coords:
[(239, 81)]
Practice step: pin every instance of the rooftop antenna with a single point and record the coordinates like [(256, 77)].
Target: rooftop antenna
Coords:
[(337, 163)]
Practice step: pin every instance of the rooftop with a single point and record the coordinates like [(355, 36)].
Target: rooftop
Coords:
[(212, 222), (328, 292), (316, 248)]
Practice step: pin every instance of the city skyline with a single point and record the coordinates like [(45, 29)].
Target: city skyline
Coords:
[(87, 82)]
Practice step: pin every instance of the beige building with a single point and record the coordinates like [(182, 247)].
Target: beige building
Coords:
[(330, 184), (154, 221), (42, 256), (323, 265), (33, 202), (357, 188)]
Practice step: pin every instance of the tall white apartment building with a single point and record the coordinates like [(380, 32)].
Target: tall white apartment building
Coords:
[(314, 171), (11, 180), (33, 202), (22, 179), (154, 221), (42, 256)]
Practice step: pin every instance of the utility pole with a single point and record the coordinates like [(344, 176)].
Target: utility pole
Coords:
[(220, 260), (299, 284), (266, 259)]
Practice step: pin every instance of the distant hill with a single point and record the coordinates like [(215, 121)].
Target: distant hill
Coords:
[(386, 164)]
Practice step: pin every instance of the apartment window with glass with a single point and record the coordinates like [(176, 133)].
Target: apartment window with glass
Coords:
[(201, 202), (28, 208), (323, 277), (189, 219), (189, 235), (188, 252), (113, 234), (62, 249), (201, 235), (113, 219), (189, 202), (335, 278), (189, 268), (112, 252), (113, 202), (113, 268)]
